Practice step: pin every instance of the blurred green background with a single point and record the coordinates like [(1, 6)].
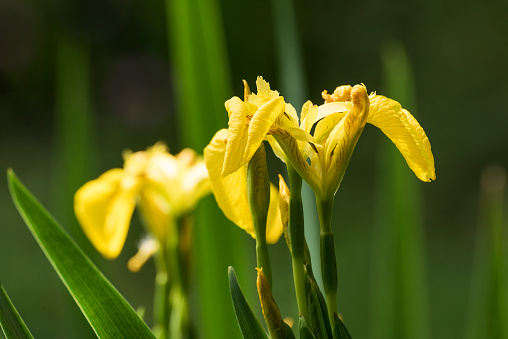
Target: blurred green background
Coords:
[(80, 81)]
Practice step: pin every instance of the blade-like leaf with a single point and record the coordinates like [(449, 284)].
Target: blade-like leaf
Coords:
[(106, 310), (10, 321), (318, 314), (340, 331), (249, 324), (305, 332)]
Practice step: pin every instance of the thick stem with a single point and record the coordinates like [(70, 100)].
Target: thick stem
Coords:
[(328, 260), (258, 190), (297, 238)]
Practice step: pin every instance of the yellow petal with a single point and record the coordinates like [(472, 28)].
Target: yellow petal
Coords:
[(300, 135), (330, 108), (260, 124), (195, 185), (309, 115), (104, 207), (156, 210), (343, 138), (274, 227), (264, 93), (276, 148), (290, 113), (269, 307), (236, 136), (147, 248), (296, 156), (406, 133), (230, 191), (328, 117), (284, 196), (353, 122)]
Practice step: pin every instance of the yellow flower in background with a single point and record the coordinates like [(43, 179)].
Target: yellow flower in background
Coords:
[(231, 191), (164, 186)]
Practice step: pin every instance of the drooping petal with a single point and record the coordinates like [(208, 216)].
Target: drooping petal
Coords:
[(353, 121), (156, 210), (104, 208), (274, 227), (406, 133), (260, 124), (343, 138), (230, 191)]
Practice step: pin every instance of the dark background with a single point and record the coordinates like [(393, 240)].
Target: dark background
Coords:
[(458, 52)]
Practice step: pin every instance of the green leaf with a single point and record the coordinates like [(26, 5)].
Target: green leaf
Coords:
[(340, 331), (249, 324), (10, 321), (305, 332), (106, 310), (318, 314)]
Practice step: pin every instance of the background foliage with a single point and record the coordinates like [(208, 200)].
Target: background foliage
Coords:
[(81, 81)]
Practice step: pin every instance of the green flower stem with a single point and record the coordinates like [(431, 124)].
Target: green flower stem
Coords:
[(262, 256), (178, 246), (297, 238), (161, 295), (171, 282), (328, 261), (258, 189)]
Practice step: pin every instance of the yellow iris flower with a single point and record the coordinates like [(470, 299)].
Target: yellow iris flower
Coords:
[(339, 123), (164, 186), (231, 190), (249, 122)]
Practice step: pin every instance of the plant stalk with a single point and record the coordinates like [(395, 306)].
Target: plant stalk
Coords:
[(297, 238), (328, 260)]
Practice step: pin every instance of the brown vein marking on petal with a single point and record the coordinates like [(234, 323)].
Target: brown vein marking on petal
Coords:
[(333, 150), (313, 147), (287, 116)]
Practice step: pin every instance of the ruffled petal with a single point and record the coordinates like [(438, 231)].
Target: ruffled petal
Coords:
[(260, 124), (236, 136), (230, 191), (406, 133), (264, 93), (104, 208)]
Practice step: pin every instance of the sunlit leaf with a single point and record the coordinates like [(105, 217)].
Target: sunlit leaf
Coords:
[(106, 310), (249, 324)]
